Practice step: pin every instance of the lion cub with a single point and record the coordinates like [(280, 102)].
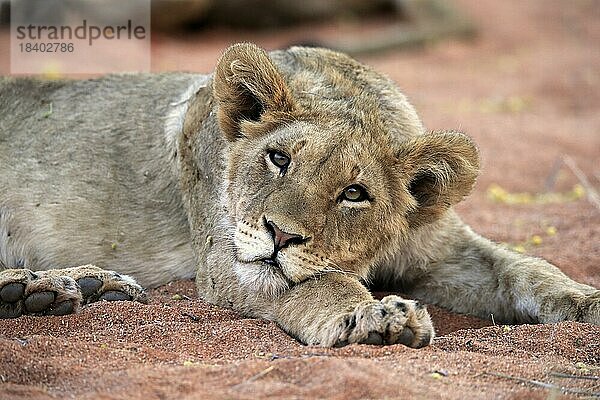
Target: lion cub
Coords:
[(284, 181)]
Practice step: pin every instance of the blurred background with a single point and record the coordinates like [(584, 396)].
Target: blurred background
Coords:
[(521, 77), (190, 34)]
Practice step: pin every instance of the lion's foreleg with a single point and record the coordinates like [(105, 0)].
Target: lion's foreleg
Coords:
[(335, 310), (482, 278)]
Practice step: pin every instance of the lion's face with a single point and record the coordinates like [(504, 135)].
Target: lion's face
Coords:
[(312, 191), (308, 199)]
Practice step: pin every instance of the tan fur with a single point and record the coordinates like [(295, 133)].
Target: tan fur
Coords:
[(340, 124)]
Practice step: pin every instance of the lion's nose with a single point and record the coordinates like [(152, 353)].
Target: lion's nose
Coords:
[(282, 239)]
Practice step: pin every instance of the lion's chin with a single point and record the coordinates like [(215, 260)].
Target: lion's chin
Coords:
[(261, 278)]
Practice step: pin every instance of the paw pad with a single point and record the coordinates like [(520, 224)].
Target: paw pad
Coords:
[(12, 292), (89, 286), (407, 337), (374, 338), (63, 308), (39, 301), (115, 295)]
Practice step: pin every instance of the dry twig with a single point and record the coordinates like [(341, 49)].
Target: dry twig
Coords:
[(257, 376), (592, 194), (571, 376)]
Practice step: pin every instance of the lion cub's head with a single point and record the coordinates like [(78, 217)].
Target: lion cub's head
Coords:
[(328, 168)]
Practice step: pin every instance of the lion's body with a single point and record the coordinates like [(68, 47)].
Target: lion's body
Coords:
[(94, 180), (165, 176)]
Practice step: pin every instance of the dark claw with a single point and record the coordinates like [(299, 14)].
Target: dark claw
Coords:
[(373, 338), (64, 308), (114, 295), (39, 301), (89, 286), (12, 292)]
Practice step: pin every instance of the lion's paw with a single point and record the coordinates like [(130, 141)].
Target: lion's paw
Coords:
[(98, 284), (26, 292), (62, 291), (389, 321)]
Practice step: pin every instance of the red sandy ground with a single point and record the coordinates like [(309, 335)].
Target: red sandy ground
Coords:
[(544, 54)]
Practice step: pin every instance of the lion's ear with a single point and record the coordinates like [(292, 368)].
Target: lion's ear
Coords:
[(440, 169), (246, 86)]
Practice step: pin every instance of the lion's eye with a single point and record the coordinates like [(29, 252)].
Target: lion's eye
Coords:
[(280, 160), (355, 193)]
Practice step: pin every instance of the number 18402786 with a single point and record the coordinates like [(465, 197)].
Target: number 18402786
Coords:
[(46, 47)]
